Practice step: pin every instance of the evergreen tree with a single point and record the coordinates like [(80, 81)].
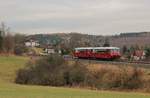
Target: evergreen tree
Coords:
[(147, 50), (107, 43), (124, 49)]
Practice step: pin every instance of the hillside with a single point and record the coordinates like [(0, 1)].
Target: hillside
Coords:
[(131, 39), (76, 39)]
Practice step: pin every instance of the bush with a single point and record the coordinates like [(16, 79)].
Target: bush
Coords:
[(55, 71), (20, 49), (22, 76), (109, 77), (45, 71), (75, 74), (131, 78)]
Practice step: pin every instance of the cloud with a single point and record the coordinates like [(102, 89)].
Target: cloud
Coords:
[(87, 16)]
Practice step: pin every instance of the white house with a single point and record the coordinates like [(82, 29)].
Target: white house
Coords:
[(32, 43), (49, 51)]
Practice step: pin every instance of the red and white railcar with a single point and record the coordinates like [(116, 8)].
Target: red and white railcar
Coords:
[(97, 52)]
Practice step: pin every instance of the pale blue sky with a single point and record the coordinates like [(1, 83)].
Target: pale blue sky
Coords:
[(101, 17)]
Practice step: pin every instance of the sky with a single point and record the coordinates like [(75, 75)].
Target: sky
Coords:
[(98, 17)]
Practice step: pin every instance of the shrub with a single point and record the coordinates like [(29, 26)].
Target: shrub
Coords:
[(75, 74), (131, 78), (55, 71), (45, 71), (20, 49), (52, 70), (109, 77), (146, 83)]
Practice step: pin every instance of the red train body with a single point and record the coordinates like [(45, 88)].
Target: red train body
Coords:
[(97, 52)]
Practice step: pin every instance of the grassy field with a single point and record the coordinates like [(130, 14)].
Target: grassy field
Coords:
[(9, 65), (8, 89)]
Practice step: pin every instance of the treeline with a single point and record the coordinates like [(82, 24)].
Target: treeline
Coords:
[(11, 43), (6, 40), (55, 71)]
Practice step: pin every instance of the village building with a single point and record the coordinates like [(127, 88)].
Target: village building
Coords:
[(32, 43), (49, 51), (138, 55)]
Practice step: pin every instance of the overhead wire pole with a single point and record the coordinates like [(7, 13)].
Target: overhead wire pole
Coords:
[(88, 51)]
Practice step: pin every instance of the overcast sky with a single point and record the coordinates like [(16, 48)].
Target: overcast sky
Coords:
[(103, 17)]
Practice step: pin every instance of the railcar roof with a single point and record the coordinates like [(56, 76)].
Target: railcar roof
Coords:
[(106, 48), (80, 48)]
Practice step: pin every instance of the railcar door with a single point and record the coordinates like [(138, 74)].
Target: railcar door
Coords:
[(115, 53), (102, 54)]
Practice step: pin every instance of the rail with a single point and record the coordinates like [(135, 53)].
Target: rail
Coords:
[(119, 63)]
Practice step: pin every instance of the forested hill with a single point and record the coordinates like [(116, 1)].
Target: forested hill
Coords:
[(131, 39), (77, 39)]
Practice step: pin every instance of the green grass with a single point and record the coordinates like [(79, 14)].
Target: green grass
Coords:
[(19, 91), (38, 50), (8, 89), (9, 65)]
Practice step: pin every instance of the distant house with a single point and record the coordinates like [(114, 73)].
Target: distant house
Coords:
[(32, 43), (49, 51), (138, 55)]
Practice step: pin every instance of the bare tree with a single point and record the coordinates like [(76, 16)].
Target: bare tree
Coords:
[(6, 39), (9, 43)]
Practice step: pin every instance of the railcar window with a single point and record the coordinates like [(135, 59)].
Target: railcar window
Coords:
[(108, 50), (115, 50), (82, 50), (101, 50)]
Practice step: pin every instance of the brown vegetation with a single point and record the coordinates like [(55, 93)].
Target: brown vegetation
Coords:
[(55, 71)]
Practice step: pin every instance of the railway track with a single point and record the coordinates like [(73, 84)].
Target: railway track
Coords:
[(119, 63)]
